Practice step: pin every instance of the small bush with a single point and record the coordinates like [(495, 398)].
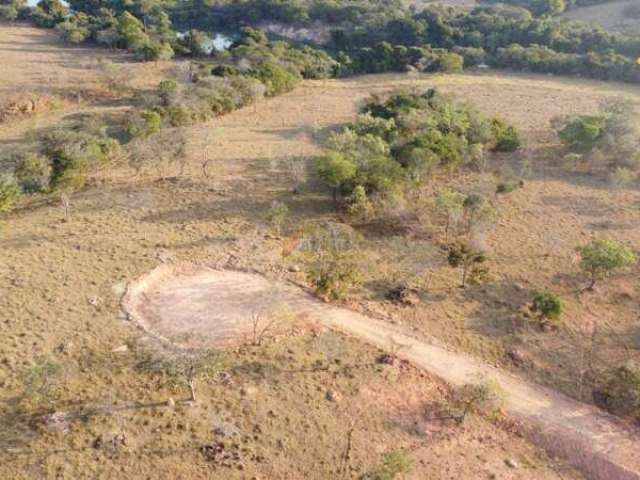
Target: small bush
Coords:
[(277, 216), (225, 71), (67, 172), (506, 136), (622, 178), (508, 187), (464, 256), (167, 90), (396, 462), (33, 173), (41, 380), (620, 391), (9, 192), (144, 124), (277, 79), (546, 306)]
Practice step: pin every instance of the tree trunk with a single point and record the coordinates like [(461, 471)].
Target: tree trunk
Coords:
[(192, 391)]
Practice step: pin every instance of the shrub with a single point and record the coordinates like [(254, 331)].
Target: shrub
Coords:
[(464, 256), (622, 178), (546, 306), (9, 192), (602, 257), (358, 203), (450, 204), (332, 259), (33, 173), (277, 216), (334, 274), (396, 462), (225, 71), (67, 171), (583, 131), (620, 391), (277, 79), (41, 380), (167, 90), (506, 136), (143, 124), (508, 187)]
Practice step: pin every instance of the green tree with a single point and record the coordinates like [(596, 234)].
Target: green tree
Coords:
[(602, 257), (335, 170), (464, 256), (132, 31), (583, 131)]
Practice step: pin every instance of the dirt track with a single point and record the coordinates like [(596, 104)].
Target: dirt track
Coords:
[(217, 305)]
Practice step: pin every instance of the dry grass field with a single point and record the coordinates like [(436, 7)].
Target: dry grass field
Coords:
[(61, 284)]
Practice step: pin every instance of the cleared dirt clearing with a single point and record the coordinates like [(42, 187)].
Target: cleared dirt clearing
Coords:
[(214, 303)]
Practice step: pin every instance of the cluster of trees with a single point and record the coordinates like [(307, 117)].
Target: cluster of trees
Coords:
[(384, 57), (367, 36), (548, 7), (608, 139), (402, 138), (61, 164)]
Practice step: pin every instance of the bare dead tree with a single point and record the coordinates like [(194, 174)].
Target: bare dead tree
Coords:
[(66, 205)]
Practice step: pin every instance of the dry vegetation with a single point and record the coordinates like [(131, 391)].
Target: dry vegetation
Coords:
[(264, 411), (613, 16)]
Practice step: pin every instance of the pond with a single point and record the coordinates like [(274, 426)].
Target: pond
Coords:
[(218, 42)]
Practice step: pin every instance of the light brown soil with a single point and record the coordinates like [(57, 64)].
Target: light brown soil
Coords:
[(215, 305)]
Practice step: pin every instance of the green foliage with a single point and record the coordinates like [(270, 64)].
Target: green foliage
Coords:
[(463, 255), (620, 389), (9, 193), (397, 462), (546, 306), (400, 139), (509, 186), (359, 205), (602, 257), (336, 171), (276, 78), (583, 131), (33, 173), (332, 259), (143, 124), (132, 31), (67, 171), (507, 138), (225, 71), (167, 90)]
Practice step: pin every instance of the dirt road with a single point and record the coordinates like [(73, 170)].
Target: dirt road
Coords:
[(218, 305)]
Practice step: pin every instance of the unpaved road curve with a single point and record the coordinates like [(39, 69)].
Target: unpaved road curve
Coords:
[(218, 304)]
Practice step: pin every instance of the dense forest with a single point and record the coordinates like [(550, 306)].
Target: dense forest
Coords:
[(365, 36)]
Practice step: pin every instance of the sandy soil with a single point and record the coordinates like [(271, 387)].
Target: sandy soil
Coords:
[(214, 304)]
